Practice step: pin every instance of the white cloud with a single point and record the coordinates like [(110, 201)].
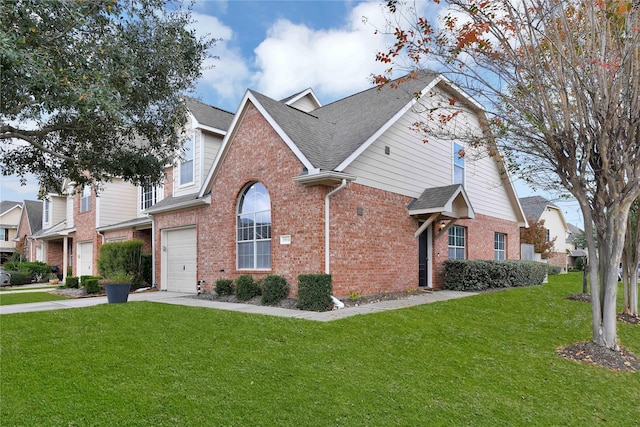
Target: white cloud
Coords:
[(334, 62), (228, 75)]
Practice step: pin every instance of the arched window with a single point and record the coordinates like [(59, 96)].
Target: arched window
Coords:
[(254, 228)]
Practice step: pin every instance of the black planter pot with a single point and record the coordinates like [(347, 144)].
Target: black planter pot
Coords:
[(117, 292)]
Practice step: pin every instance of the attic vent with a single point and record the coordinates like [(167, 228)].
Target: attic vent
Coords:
[(387, 150)]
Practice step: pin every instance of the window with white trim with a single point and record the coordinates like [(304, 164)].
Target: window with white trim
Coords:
[(499, 246), (85, 199), (254, 228), (47, 211), (458, 164), (4, 234), (457, 242), (186, 162), (148, 196)]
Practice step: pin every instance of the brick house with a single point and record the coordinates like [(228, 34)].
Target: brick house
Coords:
[(30, 223), (536, 209), (347, 189), (10, 214)]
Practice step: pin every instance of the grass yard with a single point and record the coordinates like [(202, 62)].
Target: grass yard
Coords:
[(486, 360), (28, 297)]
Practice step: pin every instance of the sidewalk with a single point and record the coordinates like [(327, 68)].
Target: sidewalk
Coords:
[(185, 299)]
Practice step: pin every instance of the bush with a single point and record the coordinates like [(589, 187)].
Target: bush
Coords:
[(246, 287), (36, 270), (554, 269), (84, 279), (479, 275), (314, 292), (122, 256), (18, 278), (72, 282), (224, 287), (274, 289), (92, 285)]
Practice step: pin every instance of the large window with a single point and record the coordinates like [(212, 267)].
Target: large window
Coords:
[(148, 196), (458, 164), (187, 163), (85, 200), (457, 242), (499, 246), (254, 228)]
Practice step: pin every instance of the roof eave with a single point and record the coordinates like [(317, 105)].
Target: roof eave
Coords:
[(324, 178), (200, 201)]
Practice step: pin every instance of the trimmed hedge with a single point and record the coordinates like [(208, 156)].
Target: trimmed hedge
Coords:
[(274, 289), (314, 292), (147, 268), (247, 287), (479, 275), (122, 257), (92, 285), (18, 278), (36, 270), (72, 282), (224, 287)]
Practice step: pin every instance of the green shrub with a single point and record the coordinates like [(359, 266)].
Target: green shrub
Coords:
[(84, 279), (314, 292), (18, 278), (72, 282), (91, 285), (246, 287), (16, 257), (147, 268), (479, 275), (274, 289), (36, 270), (554, 269), (224, 287), (122, 257)]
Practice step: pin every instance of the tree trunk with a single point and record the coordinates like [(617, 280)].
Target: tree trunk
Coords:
[(584, 276)]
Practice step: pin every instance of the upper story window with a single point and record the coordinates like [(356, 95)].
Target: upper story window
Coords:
[(85, 199), (458, 164), (499, 246), (186, 162), (547, 235), (47, 211), (457, 242), (148, 196), (4, 234), (254, 228)]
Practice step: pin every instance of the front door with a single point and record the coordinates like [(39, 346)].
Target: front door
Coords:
[(424, 258)]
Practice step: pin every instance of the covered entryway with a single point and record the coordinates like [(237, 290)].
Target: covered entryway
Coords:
[(179, 260), (437, 207), (85, 259)]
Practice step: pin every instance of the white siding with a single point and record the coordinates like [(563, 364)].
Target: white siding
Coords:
[(305, 104), (117, 202), (553, 222), (69, 212), (212, 144), (413, 165)]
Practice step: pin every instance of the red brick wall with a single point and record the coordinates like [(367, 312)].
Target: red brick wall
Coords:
[(55, 254), (85, 223), (558, 259)]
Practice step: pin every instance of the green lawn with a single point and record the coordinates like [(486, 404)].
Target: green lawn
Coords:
[(486, 360), (27, 297)]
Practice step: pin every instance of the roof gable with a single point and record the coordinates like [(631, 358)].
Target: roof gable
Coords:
[(209, 117)]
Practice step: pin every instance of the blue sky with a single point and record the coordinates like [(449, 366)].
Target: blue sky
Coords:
[(282, 47)]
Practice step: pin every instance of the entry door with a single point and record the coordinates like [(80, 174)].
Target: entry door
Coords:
[(424, 258), (85, 259)]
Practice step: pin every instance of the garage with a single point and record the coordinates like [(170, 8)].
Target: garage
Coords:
[(85, 259), (179, 250)]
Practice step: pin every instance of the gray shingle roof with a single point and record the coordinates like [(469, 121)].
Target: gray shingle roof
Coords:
[(209, 115), (34, 214), (534, 206), (330, 134), (435, 197), (6, 205)]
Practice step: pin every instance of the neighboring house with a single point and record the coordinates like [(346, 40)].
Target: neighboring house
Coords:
[(30, 223), (536, 209), (10, 213), (346, 189), (576, 246), (78, 222)]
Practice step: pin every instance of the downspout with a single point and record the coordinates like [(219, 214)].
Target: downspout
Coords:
[(327, 270)]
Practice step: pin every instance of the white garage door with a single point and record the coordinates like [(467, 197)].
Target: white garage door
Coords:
[(85, 259), (181, 260)]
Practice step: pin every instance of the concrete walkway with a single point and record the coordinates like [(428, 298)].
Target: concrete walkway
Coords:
[(177, 298)]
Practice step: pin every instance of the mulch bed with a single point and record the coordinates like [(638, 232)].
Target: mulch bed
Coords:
[(593, 354)]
